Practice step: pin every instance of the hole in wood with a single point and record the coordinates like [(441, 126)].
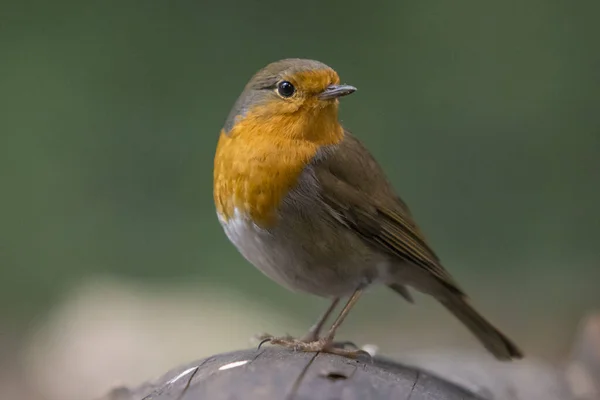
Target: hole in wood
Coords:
[(335, 376)]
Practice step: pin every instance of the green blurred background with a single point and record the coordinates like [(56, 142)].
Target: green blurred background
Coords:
[(484, 114)]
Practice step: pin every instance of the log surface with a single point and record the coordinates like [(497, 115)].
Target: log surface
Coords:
[(275, 373)]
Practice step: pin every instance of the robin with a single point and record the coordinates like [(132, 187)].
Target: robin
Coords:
[(304, 201)]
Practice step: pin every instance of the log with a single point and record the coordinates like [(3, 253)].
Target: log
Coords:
[(277, 373)]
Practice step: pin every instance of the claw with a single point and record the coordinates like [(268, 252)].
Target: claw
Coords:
[(342, 345), (353, 354), (263, 342)]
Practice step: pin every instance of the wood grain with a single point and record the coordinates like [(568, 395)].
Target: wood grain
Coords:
[(275, 373)]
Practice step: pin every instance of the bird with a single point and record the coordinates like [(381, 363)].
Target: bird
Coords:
[(305, 202)]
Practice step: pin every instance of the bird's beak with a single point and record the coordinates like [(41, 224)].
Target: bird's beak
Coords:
[(335, 91)]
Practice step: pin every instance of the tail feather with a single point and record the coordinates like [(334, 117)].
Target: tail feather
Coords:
[(491, 338)]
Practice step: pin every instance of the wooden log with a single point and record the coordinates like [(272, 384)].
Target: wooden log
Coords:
[(276, 373)]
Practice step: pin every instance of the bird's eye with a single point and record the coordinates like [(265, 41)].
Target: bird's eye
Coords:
[(285, 89)]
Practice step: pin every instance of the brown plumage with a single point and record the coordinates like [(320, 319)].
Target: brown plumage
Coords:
[(305, 202)]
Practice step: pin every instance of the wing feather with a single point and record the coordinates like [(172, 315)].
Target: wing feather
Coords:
[(356, 191)]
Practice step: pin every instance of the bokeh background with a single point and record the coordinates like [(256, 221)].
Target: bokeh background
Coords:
[(113, 267)]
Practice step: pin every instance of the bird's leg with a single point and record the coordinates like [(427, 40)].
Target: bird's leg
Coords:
[(325, 344), (342, 316), (313, 332)]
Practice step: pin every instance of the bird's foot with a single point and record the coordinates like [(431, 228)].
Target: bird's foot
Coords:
[(320, 345)]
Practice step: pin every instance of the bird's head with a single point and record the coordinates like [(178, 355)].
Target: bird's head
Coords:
[(296, 98)]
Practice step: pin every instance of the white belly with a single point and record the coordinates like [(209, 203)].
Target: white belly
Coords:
[(315, 269), (250, 239)]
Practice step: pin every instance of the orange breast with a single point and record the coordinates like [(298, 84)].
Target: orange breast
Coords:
[(258, 163)]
